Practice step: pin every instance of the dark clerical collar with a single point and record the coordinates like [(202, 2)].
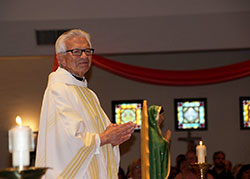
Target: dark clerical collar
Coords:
[(79, 78)]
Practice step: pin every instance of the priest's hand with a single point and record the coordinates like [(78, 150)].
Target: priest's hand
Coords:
[(117, 134)]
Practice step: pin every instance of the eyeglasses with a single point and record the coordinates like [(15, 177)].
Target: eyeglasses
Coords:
[(78, 52)]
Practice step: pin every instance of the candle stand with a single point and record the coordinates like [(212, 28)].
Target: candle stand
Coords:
[(26, 173), (201, 169)]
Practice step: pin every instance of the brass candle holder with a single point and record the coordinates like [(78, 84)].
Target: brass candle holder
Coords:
[(26, 173), (201, 169)]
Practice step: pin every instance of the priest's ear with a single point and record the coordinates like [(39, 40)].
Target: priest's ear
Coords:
[(61, 59)]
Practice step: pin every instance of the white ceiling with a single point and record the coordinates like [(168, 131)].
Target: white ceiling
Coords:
[(82, 9), (128, 26)]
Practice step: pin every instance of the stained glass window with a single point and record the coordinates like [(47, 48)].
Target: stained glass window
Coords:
[(244, 112), (190, 114), (127, 110)]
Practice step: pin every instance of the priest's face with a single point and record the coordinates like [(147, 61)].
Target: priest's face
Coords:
[(75, 64)]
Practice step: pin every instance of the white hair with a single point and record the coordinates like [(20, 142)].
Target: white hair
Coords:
[(60, 42)]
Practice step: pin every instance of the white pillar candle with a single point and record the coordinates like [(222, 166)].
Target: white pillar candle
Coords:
[(21, 142), (201, 152)]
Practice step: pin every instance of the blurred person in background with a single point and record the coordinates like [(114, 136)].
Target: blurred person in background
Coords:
[(219, 170)]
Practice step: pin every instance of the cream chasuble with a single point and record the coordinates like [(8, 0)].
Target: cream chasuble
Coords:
[(68, 140)]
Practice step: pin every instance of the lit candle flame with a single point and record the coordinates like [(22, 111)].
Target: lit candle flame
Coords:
[(201, 142), (19, 120)]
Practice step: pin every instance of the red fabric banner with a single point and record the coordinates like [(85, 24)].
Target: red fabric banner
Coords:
[(170, 77)]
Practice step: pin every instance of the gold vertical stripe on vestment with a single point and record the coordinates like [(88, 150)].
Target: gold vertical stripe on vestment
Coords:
[(107, 149), (93, 167), (41, 160), (72, 162), (109, 163), (88, 105), (78, 166), (96, 109), (71, 168), (77, 161), (88, 102), (101, 114), (50, 123), (93, 107)]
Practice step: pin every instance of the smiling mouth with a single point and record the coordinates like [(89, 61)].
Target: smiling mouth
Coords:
[(83, 63)]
